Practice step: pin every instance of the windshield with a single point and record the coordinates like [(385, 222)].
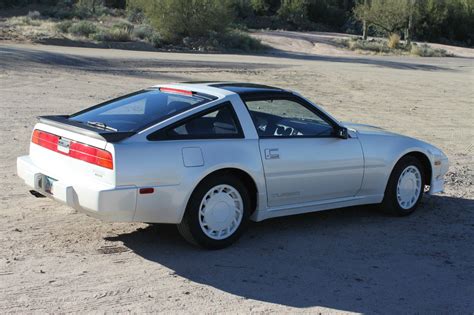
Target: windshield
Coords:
[(136, 111)]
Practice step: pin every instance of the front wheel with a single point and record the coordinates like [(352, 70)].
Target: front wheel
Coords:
[(216, 213), (405, 187)]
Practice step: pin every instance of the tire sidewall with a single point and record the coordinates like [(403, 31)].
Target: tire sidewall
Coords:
[(192, 211), (390, 199)]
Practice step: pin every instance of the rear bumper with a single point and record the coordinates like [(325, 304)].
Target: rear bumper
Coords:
[(102, 201)]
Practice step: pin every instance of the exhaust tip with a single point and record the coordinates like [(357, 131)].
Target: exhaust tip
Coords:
[(37, 194)]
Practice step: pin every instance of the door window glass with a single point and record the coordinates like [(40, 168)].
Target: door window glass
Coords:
[(287, 118)]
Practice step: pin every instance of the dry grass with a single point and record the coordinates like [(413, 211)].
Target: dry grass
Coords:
[(425, 50), (392, 46), (393, 41), (112, 35)]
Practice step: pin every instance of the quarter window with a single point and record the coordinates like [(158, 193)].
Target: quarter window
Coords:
[(287, 118), (219, 123)]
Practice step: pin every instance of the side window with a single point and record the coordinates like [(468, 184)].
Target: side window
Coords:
[(287, 118), (217, 124)]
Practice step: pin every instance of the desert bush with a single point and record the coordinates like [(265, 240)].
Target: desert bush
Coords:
[(83, 28), (58, 12), (81, 9), (233, 40), (177, 19), (393, 40), (124, 25), (239, 40), (143, 31), (155, 40), (135, 15), (34, 15), (24, 20), (64, 26), (425, 50), (86, 8), (378, 46), (265, 7), (294, 12), (112, 35)]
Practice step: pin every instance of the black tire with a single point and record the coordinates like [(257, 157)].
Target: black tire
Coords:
[(190, 227), (390, 203)]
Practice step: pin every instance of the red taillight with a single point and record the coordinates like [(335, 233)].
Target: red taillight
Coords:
[(77, 150), (91, 155), (45, 139), (179, 91)]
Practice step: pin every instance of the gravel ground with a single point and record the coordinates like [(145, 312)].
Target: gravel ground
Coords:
[(53, 259)]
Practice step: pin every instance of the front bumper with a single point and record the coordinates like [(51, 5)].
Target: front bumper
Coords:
[(437, 178), (99, 200)]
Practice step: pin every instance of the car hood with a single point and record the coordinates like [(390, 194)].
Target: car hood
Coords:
[(362, 130)]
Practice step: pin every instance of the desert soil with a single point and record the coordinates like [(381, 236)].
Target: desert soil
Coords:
[(53, 259)]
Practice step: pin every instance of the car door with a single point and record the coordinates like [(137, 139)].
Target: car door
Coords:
[(303, 157)]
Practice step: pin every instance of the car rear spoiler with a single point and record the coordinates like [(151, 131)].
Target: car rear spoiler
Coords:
[(63, 122)]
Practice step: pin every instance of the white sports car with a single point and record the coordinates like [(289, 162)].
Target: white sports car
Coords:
[(209, 156)]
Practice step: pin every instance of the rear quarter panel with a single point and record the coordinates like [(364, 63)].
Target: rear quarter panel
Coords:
[(161, 165)]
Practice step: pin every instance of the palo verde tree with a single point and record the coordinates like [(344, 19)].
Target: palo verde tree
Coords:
[(177, 19), (392, 16)]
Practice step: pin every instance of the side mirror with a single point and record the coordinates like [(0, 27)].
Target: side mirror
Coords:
[(342, 133)]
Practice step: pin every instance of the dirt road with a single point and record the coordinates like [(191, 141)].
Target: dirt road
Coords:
[(53, 259)]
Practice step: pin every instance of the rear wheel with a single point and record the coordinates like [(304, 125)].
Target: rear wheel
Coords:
[(216, 213), (405, 187)]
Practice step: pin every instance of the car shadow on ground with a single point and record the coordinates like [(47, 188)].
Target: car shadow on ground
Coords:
[(351, 259)]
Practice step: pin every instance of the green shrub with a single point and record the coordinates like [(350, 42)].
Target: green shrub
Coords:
[(143, 31), (125, 26), (155, 40), (231, 40), (86, 8), (135, 15), (34, 15), (425, 50), (25, 20), (294, 12), (238, 40), (112, 35), (83, 28), (58, 12), (378, 46), (64, 26), (177, 19)]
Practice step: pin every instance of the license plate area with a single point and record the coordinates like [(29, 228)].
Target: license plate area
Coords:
[(63, 145), (46, 184)]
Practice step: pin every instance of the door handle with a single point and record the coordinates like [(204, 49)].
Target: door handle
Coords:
[(272, 154)]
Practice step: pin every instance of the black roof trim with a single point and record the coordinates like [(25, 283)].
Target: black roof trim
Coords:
[(247, 88), (197, 82)]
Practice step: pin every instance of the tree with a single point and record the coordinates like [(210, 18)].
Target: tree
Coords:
[(294, 11), (365, 27), (390, 15), (265, 7)]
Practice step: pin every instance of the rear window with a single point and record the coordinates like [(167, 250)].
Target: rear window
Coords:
[(138, 110)]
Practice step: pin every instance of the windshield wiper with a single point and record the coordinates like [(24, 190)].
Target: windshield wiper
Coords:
[(101, 125)]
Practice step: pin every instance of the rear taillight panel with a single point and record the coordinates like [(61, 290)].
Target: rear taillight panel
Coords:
[(77, 150)]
